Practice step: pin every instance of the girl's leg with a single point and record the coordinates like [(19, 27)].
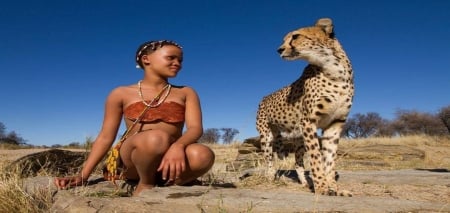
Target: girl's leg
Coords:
[(200, 159), (142, 154)]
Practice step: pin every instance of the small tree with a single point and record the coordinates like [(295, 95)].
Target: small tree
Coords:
[(210, 135), (74, 145), (363, 125), (2, 130), (10, 137), (88, 142), (55, 146), (13, 138), (444, 115), (386, 129), (228, 134), (414, 122)]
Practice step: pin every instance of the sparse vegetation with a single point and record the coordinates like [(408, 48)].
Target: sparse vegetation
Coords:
[(373, 153), (14, 198), (414, 151), (213, 135), (10, 138), (406, 122), (444, 115)]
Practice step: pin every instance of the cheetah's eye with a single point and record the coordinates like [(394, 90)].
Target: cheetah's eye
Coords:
[(295, 36)]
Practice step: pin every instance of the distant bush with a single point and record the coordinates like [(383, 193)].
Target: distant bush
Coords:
[(406, 122), (444, 115), (11, 138), (213, 135), (210, 135)]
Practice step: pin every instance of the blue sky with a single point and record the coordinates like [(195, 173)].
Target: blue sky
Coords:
[(60, 59)]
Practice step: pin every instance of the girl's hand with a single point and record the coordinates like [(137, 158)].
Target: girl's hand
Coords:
[(173, 163), (67, 182)]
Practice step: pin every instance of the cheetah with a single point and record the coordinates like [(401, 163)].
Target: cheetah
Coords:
[(319, 100)]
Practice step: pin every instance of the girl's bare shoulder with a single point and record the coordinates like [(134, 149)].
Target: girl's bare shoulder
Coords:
[(124, 89), (122, 92), (184, 89)]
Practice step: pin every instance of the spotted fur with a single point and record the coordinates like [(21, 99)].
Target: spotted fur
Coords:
[(319, 100)]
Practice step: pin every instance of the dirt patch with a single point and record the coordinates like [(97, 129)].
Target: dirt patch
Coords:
[(375, 191)]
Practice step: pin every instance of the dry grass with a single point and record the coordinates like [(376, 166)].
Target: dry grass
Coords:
[(364, 154), (413, 152), (225, 154), (13, 197), (413, 140), (407, 152)]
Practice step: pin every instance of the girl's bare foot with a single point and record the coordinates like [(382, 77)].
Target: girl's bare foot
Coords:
[(140, 187)]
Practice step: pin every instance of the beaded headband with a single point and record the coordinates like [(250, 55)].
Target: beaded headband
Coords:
[(153, 45)]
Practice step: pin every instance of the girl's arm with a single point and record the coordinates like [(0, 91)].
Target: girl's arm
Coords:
[(103, 142), (173, 162), (193, 119)]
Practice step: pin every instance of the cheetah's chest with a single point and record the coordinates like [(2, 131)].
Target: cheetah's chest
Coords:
[(316, 98)]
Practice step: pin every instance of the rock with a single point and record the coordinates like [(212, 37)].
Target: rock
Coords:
[(392, 152), (250, 154), (247, 149), (253, 141), (52, 162)]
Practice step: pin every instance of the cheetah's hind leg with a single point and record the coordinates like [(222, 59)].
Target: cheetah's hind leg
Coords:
[(266, 146), (300, 166)]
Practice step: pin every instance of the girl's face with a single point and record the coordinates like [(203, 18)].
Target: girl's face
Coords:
[(166, 60)]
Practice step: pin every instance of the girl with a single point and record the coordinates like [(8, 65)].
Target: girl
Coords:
[(156, 148)]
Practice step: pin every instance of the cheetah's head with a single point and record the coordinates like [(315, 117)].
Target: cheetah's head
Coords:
[(309, 43)]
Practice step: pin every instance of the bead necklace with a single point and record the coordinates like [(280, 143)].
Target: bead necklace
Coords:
[(157, 98)]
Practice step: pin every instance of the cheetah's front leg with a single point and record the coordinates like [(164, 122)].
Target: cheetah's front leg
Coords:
[(329, 142), (312, 148)]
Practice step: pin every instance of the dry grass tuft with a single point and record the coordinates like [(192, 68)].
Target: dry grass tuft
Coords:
[(13, 197), (416, 151), (411, 140)]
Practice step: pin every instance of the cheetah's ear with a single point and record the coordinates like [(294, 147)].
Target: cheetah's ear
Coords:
[(327, 26)]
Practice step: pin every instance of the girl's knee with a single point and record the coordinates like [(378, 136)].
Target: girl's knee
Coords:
[(152, 141), (199, 154)]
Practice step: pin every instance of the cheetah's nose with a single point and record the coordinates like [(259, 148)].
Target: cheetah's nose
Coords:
[(280, 50)]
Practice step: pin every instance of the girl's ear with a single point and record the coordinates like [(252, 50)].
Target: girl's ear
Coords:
[(145, 59)]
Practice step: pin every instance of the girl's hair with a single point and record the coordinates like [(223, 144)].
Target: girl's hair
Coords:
[(149, 47)]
